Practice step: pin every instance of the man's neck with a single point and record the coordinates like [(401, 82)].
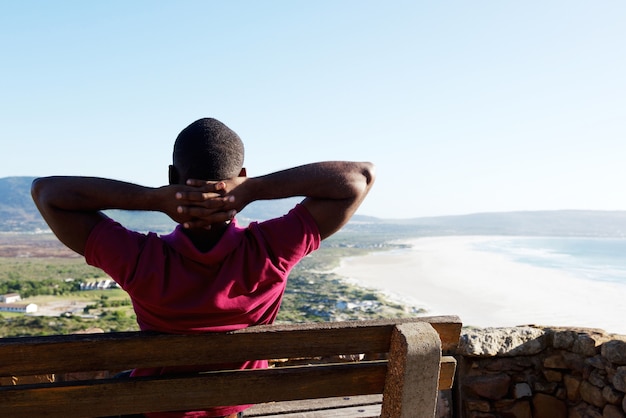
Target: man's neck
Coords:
[(205, 239)]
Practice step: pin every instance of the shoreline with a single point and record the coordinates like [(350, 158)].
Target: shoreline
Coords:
[(445, 276)]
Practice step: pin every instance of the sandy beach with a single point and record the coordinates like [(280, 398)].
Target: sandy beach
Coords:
[(445, 276)]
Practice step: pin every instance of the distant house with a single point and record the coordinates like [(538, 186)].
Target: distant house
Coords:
[(18, 307), (104, 284), (10, 298), (98, 285)]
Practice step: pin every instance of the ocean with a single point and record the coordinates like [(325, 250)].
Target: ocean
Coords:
[(596, 259)]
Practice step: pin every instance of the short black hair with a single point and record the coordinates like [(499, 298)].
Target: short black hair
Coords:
[(208, 150)]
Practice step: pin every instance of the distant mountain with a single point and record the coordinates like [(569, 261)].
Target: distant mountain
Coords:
[(533, 223), (19, 214), (17, 210)]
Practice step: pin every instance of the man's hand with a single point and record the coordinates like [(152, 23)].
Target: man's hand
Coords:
[(333, 190), (202, 203)]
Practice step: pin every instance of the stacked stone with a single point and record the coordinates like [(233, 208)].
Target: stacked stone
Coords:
[(541, 372)]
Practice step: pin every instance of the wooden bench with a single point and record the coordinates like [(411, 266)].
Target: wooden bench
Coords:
[(414, 367)]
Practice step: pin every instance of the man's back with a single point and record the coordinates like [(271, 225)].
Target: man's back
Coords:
[(178, 289)]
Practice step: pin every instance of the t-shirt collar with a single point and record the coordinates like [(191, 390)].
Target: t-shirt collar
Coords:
[(228, 242)]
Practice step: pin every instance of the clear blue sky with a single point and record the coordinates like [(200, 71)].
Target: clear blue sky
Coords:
[(464, 106)]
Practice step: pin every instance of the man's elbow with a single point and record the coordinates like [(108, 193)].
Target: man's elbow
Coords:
[(369, 172), (36, 188), (41, 192)]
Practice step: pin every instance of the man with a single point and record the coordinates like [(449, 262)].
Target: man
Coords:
[(209, 274)]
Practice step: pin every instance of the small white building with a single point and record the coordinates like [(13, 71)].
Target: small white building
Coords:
[(10, 298), (18, 307), (98, 285)]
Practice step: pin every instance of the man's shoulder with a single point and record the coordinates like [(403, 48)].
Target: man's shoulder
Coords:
[(296, 228), (111, 231)]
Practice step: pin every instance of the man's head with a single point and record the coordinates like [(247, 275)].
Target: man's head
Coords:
[(206, 150)]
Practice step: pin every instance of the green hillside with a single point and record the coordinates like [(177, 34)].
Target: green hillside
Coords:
[(17, 210)]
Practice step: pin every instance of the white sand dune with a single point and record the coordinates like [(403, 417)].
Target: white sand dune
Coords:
[(446, 276)]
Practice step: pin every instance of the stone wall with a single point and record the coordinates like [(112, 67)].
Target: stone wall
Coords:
[(541, 372)]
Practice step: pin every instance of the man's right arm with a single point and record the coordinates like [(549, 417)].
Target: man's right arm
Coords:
[(72, 205), (333, 191)]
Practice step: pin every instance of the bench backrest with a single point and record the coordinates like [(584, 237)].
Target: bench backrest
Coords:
[(405, 340)]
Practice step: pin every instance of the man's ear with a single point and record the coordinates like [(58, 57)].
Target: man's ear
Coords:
[(173, 176), (243, 173)]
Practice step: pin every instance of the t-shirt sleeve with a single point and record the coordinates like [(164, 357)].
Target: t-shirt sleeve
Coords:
[(291, 237), (115, 250)]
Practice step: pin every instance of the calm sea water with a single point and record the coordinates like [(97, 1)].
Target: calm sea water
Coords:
[(600, 259)]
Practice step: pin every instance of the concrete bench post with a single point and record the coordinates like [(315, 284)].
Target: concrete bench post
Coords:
[(411, 386)]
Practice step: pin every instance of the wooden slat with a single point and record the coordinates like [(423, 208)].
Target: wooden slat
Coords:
[(192, 393), (288, 408), (365, 411), (125, 351), (118, 351)]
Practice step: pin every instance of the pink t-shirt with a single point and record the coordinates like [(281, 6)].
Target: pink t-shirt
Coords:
[(176, 288)]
